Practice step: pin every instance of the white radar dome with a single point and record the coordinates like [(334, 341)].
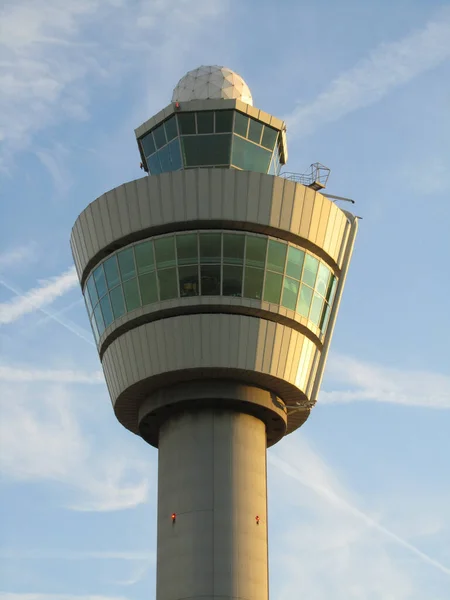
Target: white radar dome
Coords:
[(212, 82)]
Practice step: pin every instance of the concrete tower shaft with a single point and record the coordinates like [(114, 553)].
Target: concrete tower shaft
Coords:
[(212, 294)]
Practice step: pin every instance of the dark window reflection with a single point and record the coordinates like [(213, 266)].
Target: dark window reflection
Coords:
[(203, 150), (205, 122), (232, 281), (186, 122), (224, 121), (188, 281), (210, 280)]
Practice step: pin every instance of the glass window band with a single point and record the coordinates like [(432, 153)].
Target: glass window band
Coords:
[(210, 263)]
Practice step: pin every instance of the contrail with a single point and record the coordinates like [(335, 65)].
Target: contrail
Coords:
[(291, 471), (69, 325)]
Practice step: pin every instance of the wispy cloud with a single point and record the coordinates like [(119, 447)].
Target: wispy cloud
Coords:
[(63, 554), (52, 65), (38, 297), (55, 159), (42, 440), (25, 374), (44, 596), (361, 381), (323, 530), (388, 66), (17, 256), (340, 502)]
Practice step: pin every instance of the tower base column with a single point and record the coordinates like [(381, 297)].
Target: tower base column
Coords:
[(212, 507)]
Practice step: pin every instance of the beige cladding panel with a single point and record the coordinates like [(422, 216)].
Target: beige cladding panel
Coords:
[(203, 194), (263, 348)]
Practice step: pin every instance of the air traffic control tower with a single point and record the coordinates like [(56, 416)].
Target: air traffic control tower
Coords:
[(212, 287)]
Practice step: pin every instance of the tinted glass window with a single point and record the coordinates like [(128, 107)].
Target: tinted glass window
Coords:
[(188, 277), (100, 281), (126, 264), (331, 289), (269, 137), (149, 290), (111, 272), (164, 159), (160, 136), (117, 302), (253, 283), (94, 329), (186, 123), (249, 157), (92, 290), (210, 275), (295, 262), (154, 164), (256, 251), (323, 276), (187, 249), (206, 150), (233, 248), (210, 246), (165, 252), (232, 281), (131, 293), (106, 311), (175, 155), (316, 309), (272, 287), (99, 320), (255, 131), (224, 121), (325, 317), (148, 144), (145, 260), (290, 291), (88, 302), (304, 300), (205, 122), (276, 256), (310, 270), (240, 124), (171, 128), (168, 285)]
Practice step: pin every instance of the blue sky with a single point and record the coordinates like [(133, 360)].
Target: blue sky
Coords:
[(359, 498)]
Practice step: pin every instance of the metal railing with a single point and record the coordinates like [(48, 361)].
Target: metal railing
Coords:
[(316, 177)]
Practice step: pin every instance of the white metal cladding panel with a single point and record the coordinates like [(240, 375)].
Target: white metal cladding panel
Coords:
[(299, 198), (205, 340), (153, 190), (204, 194), (254, 191), (167, 207), (308, 205), (315, 217), (219, 194), (280, 357), (330, 229), (97, 221), (288, 205), (106, 219), (76, 250), (276, 201), (323, 223), (83, 232), (215, 200), (305, 364), (241, 197), (190, 178)]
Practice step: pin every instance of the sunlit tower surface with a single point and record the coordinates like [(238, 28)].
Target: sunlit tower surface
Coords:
[(212, 287)]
